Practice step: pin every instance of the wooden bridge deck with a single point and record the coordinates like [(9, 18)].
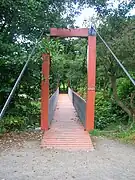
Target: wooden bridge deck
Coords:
[(66, 131)]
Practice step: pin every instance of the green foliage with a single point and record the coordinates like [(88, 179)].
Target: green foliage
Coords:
[(124, 87), (21, 23), (12, 123), (56, 50), (103, 112), (108, 112), (124, 135), (22, 116), (29, 110)]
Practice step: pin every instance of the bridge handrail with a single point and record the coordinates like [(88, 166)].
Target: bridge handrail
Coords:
[(79, 104), (52, 104)]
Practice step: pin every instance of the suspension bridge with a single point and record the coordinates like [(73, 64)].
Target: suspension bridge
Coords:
[(66, 119)]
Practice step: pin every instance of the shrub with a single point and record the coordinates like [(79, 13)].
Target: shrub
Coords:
[(124, 88), (11, 123), (28, 110), (103, 112)]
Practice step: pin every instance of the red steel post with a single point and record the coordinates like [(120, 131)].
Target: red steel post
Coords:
[(45, 91), (91, 71)]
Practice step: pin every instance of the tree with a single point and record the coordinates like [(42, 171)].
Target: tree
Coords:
[(21, 23)]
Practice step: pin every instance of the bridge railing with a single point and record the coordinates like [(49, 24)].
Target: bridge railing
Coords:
[(52, 105), (79, 104)]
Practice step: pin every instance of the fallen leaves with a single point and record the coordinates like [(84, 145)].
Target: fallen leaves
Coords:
[(14, 139)]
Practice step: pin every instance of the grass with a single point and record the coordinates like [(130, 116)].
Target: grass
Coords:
[(121, 133)]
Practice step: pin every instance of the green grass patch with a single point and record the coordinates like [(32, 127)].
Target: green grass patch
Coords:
[(121, 133)]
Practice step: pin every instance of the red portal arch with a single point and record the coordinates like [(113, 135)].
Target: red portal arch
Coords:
[(91, 73)]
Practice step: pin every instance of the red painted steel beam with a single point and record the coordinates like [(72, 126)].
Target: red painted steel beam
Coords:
[(62, 32), (45, 91), (91, 73)]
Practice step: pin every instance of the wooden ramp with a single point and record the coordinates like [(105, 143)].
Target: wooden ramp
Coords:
[(66, 131)]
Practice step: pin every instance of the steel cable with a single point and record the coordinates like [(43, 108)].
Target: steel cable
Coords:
[(115, 57)]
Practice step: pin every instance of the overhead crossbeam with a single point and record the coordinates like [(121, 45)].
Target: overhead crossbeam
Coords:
[(63, 32)]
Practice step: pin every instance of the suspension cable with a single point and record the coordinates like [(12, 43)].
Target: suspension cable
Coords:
[(19, 78), (117, 60)]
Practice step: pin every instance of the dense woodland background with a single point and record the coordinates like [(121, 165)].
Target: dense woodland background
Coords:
[(21, 23)]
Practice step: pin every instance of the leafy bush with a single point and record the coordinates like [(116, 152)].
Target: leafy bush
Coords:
[(23, 115), (27, 109), (124, 88), (103, 112), (11, 123)]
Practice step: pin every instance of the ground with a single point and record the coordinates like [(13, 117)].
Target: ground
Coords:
[(24, 159)]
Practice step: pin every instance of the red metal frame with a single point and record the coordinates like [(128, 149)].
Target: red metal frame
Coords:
[(91, 73), (45, 91)]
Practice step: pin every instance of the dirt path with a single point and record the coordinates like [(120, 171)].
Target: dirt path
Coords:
[(109, 161)]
